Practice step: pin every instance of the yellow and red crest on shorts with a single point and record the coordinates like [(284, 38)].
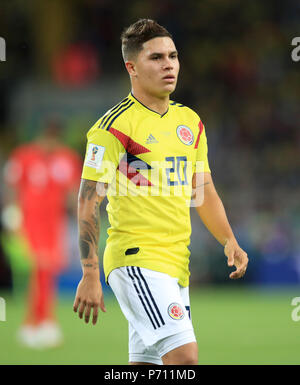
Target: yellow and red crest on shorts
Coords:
[(176, 311)]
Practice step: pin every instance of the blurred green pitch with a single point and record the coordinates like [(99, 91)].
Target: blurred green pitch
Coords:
[(233, 326)]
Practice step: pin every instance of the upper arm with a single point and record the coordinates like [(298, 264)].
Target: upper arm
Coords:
[(201, 145), (203, 186), (202, 179), (91, 191)]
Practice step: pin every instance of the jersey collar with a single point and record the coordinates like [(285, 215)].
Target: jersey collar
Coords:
[(147, 108)]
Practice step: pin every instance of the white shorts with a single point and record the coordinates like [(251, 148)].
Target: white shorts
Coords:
[(157, 309)]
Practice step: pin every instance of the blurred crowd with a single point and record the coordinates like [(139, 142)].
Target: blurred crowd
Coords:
[(236, 72)]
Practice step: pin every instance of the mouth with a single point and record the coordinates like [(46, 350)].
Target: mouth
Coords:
[(169, 78)]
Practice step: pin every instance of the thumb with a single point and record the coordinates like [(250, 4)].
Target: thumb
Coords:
[(230, 261)]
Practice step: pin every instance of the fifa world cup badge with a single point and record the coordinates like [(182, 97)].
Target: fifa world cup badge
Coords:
[(94, 156), (94, 152)]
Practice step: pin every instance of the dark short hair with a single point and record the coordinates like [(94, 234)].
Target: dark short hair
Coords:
[(138, 33)]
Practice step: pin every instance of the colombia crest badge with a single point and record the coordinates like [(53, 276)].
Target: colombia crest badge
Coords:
[(175, 311), (185, 134)]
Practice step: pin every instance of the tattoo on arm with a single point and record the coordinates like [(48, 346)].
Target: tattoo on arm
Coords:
[(87, 189), (94, 265), (89, 234), (194, 192), (89, 227)]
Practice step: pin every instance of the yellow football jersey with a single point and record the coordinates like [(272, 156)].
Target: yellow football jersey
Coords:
[(148, 160)]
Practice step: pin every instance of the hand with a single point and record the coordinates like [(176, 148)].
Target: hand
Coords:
[(237, 257), (89, 295)]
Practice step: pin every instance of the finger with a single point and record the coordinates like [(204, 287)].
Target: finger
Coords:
[(95, 314), (230, 261), (245, 264), (102, 305), (76, 304), (229, 252), (87, 312), (234, 275), (81, 309), (96, 311), (237, 273), (242, 267)]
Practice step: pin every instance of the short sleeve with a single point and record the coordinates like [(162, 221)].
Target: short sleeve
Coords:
[(103, 153), (202, 150)]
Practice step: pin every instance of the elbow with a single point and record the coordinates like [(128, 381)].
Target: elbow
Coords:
[(82, 206)]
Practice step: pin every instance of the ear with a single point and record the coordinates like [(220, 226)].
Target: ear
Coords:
[(130, 66)]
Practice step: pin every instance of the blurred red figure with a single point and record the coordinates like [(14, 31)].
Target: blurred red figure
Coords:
[(44, 173)]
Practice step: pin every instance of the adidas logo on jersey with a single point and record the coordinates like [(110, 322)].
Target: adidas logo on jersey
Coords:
[(151, 139)]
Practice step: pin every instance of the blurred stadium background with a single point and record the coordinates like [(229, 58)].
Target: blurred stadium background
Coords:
[(64, 58)]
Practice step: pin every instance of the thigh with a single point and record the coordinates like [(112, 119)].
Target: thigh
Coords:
[(184, 354)]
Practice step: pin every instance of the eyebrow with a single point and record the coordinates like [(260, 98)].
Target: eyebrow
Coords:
[(161, 54)]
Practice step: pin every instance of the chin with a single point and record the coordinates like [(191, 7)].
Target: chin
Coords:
[(163, 92), (170, 90)]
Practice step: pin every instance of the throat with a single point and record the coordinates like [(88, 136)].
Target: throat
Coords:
[(158, 105)]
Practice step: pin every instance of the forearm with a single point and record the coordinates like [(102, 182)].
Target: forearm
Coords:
[(89, 227), (89, 232), (212, 213)]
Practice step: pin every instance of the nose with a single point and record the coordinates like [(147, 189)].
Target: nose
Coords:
[(167, 64)]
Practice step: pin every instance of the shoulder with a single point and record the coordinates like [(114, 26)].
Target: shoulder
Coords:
[(115, 114), (115, 123), (182, 109), (113, 128)]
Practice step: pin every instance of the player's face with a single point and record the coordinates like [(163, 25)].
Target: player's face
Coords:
[(157, 66)]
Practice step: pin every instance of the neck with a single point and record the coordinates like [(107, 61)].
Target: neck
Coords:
[(155, 103)]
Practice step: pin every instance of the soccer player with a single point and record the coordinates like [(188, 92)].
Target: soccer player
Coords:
[(41, 176), (148, 154)]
